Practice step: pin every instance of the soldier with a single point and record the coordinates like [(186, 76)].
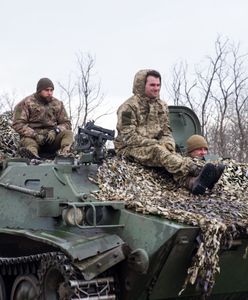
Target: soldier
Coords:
[(42, 122), (144, 135), (196, 146)]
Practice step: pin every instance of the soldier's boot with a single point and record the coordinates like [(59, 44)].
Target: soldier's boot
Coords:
[(219, 169), (206, 178), (27, 153)]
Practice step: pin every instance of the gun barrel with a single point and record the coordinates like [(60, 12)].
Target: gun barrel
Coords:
[(91, 126)]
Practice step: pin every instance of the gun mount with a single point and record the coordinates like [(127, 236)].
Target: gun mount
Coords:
[(90, 142)]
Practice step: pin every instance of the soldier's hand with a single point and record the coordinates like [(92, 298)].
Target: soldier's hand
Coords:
[(50, 138), (40, 139)]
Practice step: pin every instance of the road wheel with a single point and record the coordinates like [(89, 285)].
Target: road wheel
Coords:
[(2, 289), (25, 287), (54, 285)]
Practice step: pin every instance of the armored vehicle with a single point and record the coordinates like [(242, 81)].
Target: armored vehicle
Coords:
[(59, 242)]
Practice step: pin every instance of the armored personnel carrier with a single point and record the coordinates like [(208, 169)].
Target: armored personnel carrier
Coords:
[(59, 242)]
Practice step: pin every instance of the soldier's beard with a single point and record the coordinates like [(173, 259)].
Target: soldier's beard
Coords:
[(46, 99)]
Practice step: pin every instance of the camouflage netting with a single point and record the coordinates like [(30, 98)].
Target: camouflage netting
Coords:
[(221, 214), (9, 139)]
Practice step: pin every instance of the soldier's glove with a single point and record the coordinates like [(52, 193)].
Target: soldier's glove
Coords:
[(51, 136), (40, 139)]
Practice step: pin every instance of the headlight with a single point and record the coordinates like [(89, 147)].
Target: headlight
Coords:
[(72, 216)]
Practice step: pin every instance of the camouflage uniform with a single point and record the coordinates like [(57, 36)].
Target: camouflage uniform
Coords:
[(144, 133), (1, 155), (34, 116)]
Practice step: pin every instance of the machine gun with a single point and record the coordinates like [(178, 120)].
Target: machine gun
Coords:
[(90, 142)]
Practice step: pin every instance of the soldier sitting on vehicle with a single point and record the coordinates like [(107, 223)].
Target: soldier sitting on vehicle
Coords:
[(144, 135), (42, 122)]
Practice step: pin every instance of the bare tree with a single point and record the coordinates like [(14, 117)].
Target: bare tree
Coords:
[(7, 102), (240, 103), (221, 95), (197, 95), (84, 97), (221, 89), (231, 107), (175, 89), (207, 80), (68, 91), (180, 88)]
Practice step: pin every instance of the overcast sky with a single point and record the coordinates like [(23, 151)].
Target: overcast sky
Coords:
[(41, 39)]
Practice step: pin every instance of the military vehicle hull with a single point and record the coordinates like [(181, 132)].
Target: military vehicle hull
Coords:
[(129, 255), (170, 247), (33, 232), (59, 242)]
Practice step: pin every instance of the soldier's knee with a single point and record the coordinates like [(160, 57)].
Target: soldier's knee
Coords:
[(67, 137)]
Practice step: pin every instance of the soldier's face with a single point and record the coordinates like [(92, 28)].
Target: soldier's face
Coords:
[(152, 87), (47, 94), (199, 152)]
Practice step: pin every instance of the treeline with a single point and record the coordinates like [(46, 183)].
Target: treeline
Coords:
[(217, 90)]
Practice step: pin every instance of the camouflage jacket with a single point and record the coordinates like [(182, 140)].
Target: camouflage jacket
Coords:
[(143, 121), (33, 115)]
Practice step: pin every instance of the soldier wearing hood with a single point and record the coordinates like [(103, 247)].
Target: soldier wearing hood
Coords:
[(42, 122), (144, 135)]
